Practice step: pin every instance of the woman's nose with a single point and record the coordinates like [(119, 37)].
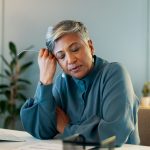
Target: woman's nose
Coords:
[(71, 58)]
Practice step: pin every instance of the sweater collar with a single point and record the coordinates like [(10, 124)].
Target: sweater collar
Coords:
[(85, 82)]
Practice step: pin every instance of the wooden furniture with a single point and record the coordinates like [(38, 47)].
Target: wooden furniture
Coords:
[(144, 125)]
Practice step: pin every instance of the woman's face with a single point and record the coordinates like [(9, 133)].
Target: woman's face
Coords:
[(74, 54)]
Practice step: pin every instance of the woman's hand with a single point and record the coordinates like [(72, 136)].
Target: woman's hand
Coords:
[(47, 66), (62, 120)]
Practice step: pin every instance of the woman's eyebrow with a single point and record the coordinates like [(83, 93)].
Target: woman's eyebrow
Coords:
[(72, 44)]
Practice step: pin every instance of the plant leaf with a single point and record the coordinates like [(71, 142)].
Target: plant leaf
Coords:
[(2, 76), (24, 81), (1, 92), (21, 96), (5, 61), (25, 66), (22, 55), (3, 86), (3, 104), (7, 94), (7, 72), (12, 48)]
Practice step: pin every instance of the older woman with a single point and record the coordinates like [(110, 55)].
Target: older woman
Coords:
[(92, 96)]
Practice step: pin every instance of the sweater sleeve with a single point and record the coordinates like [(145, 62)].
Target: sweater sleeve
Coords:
[(38, 113), (119, 110)]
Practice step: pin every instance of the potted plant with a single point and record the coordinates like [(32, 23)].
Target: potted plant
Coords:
[(12, 87), (145, 101)]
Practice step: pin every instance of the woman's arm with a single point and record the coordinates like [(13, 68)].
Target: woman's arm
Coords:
[(38, 113)]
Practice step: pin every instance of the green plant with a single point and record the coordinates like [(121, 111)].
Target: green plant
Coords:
[(146, 89), (12, 87)]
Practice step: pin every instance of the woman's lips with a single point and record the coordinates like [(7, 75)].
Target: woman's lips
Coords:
[(75, 69)]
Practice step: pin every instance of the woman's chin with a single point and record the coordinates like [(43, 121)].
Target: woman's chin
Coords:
[(78, 75)]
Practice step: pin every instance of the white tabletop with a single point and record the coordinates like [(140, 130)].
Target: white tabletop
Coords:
[(31, 143)]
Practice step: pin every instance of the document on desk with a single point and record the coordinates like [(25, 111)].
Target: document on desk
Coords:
[(49, 145), (10, 137), (43, 145)]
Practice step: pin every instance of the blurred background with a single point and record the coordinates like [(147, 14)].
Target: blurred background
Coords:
[(119, 30)]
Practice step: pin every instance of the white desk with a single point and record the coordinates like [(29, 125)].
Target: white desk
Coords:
[(29, 140)]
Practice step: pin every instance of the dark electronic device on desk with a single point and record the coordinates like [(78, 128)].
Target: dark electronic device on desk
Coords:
[(78, 142)]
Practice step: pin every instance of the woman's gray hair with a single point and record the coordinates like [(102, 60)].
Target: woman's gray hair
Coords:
[(62, 28)]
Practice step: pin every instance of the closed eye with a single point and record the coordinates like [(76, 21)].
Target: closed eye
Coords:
[(75, 47), (60, 55)]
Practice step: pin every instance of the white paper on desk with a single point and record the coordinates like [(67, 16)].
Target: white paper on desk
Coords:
[(10, 137), (43, 145)]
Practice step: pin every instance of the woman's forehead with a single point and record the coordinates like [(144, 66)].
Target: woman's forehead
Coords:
[(67, 41)]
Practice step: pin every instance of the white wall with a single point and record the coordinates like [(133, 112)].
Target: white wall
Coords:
[(148, 40), (1, 13), (0, 26), (118, 29), (0, 42)]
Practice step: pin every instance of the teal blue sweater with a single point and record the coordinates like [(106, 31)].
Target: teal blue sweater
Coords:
[(100, 105)]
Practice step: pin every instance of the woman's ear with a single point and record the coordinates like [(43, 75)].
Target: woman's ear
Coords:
[(90, 43)]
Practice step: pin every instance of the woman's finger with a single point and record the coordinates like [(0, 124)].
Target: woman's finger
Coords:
[(41, 52), (51, 55), (46, 53)]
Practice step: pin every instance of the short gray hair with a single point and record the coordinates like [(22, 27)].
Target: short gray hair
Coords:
[(62, 28)]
